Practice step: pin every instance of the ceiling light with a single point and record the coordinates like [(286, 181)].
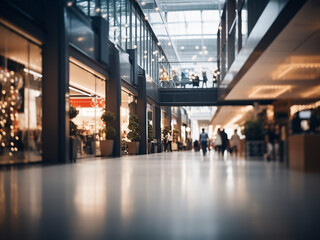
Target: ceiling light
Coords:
[(194, 57), (205, 52), (197, 47), (182, 48), (220, 28), (200, 52), (135, 46), (157, 9), (69, 3), (104, 16), (158, 43), (210, 59), (80, 39), (80, 91), (126, 25), (143, 3), (169, 44), (145, 56), (146, 18), (204, 47), (98, 10), (270, 91)]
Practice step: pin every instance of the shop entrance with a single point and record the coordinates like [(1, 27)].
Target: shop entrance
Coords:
[(87, 95), (20, 98)]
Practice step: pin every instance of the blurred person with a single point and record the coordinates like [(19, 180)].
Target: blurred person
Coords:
[(235, 143), (225, 141), (296, 124), (204, 141), (218, 141), (269, 139), (204, 78), (170, 139), (196, 145)]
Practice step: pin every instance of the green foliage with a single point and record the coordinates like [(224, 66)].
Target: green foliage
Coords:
[(150, 132), (134, 129), (110, 132), (108, 118), (165, 131), (73, 112), (254, 129), (73, 128), (133, 106)]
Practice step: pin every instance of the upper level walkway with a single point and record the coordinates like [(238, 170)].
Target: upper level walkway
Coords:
[(179, 195), (200, 97)]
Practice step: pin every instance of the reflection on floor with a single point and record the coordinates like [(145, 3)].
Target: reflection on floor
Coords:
[(160, 196)]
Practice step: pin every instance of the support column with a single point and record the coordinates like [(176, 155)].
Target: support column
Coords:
[(142, 111), (55, 85), (113, 97), (157, 125)]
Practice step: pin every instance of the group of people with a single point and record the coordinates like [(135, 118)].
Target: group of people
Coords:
[(195, 79), (222, 142)]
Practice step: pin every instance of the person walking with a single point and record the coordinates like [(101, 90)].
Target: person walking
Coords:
[(225, 141), (170, 139), (204, 139), (235, 143), (204, 78), (218, 142)]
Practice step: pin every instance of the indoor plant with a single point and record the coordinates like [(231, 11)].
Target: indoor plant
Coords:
[(134, 134), (109, 132), (255, 133), (74, 141)]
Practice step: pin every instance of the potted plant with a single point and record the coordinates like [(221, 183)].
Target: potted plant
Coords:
[(133, 106), (109, 132), (150, 136), (255, 133), (74, 141), (134, 134)]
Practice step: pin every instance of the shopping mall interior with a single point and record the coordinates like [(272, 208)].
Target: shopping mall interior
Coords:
[(159, 119)]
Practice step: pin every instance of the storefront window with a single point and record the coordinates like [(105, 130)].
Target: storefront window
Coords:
[(20, 99), (126, 99), (87, 95)]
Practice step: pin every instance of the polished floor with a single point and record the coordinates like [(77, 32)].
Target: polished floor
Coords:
[(160, 196)]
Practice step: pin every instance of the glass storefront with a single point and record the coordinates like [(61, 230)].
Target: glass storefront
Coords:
[(126, 102), (87, 95), (20, 98)]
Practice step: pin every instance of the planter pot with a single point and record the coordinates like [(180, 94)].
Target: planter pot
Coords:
[(255, 149), (149, 147), (74, 145), (133, 147), (106, 147)]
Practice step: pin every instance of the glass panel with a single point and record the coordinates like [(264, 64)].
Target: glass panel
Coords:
[(124, 24), (87, 95), (138, 41), (20, 99), (118, 22), (128, 28), (134, 39), (244, 22), (112, 27), (83, 5)]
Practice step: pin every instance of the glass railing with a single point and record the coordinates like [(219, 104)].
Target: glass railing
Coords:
[(191, 82)]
